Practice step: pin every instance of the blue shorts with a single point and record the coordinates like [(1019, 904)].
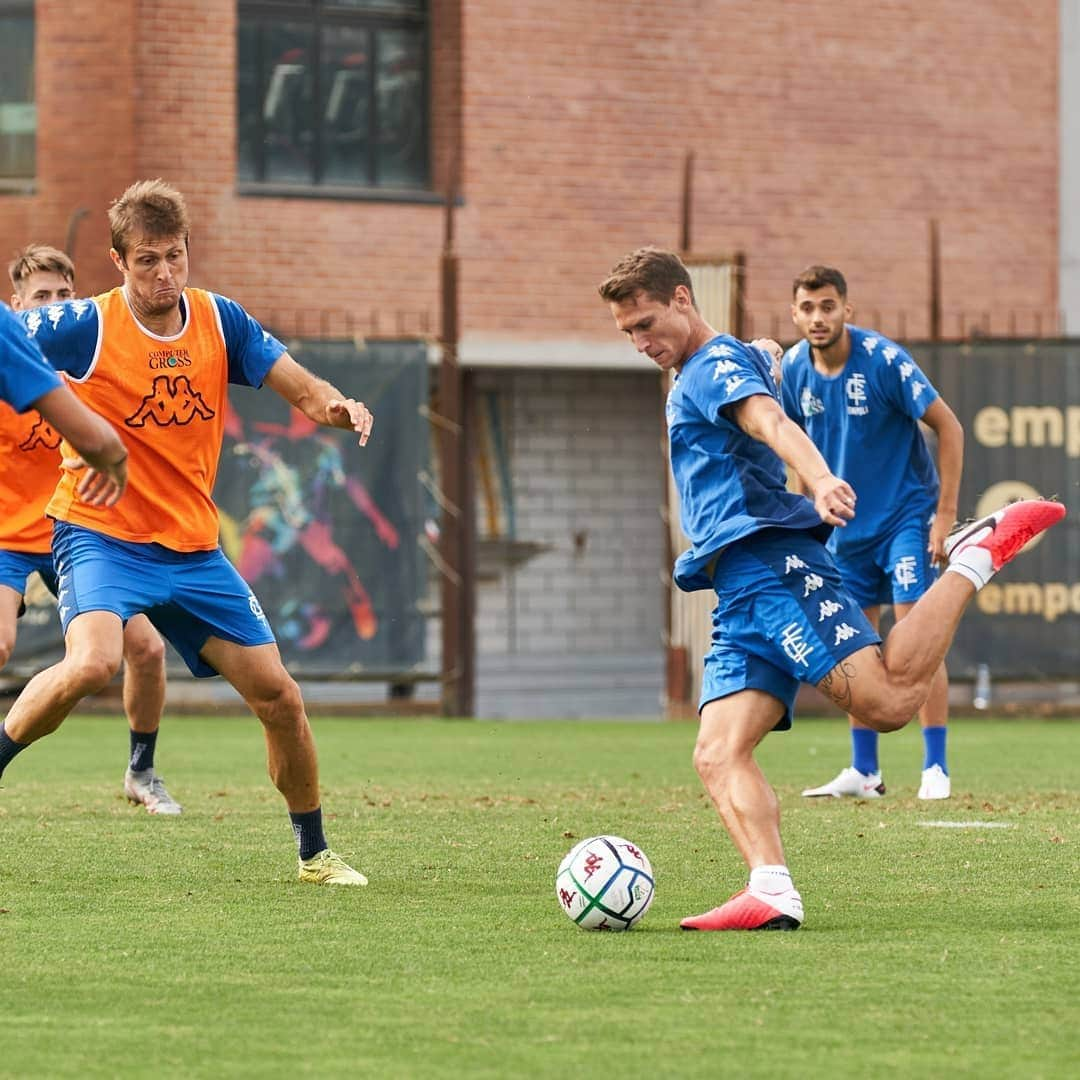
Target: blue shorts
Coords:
[(782, 618), (17, 566), (188, 595), (895, 569)]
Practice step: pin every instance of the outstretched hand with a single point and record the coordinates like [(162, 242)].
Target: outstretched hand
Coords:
[(351, 415), (99, 487), (834, 499)]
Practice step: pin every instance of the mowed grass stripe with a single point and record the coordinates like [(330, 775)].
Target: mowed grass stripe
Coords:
[(187, 946)]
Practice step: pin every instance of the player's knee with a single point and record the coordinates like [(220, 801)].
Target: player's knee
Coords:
[(144, 651), (887, 713), (92, 671), (279, 703), (712, 760)]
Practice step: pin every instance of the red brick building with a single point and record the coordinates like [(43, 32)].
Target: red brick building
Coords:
[(820, 131)]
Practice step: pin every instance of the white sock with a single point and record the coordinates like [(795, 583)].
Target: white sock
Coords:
[(973, 562), (975, 575), (771, 879)]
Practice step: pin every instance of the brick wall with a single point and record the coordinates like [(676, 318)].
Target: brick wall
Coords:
[(576, 630), (822, 130), (588, 485)]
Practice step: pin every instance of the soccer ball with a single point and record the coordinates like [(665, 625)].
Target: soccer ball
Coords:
[(605, 883)]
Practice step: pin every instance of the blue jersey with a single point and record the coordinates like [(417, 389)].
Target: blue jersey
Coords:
[(730, 485), (70, 335), (24, 374), (864, 422)]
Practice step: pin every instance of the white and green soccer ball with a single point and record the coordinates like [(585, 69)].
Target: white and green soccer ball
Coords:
[(605, 883)]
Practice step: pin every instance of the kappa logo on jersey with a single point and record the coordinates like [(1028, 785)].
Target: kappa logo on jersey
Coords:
[(870, 344), (41, 435), (855, 388), (171, 401), (906, 368), (723, 367), (810, 405), (55, 312), (890, 354), (734, 383), (916, 389), (33, 322)]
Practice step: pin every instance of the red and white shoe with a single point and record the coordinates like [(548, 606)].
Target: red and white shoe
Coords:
[(979, 549), (748, 910)]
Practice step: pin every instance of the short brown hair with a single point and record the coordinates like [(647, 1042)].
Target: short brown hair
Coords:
[(150, 209), (38, 259), (820, 277), (651, 270)]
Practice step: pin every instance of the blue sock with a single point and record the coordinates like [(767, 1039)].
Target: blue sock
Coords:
[(308, 830), (934, 747), (864, 750), (8, 748), (142, 750)]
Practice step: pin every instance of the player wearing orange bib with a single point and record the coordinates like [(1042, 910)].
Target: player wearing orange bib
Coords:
[(156, 358), (42, 276)]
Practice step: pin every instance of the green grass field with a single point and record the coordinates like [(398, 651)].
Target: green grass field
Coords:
[(186, 948)]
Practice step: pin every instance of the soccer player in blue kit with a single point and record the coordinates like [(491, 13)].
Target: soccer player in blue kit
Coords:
[(860, 397), (28, 382), (782, 615)]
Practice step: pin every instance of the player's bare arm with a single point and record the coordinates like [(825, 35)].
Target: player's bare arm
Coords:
[(950, 439), (763, 419), (97, 444), (317, 399)]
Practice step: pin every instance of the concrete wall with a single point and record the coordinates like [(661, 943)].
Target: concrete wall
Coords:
[(576, 629)]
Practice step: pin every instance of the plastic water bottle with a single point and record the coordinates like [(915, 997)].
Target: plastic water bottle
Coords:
[(980, 697)]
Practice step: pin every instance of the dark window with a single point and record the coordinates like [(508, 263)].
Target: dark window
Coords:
[(333, 93), (18, 113)]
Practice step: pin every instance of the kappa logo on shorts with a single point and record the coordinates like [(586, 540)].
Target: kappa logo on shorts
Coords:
[(828, 609), (793, 562), (844, 632), (811, 583), (171, 401), (41, 435), (256, 607)]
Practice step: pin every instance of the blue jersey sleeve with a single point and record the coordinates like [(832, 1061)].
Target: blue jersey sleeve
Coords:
[(728, 372), (252, 351), (903, 384), (24, 374), (69, 334), (789, 386)]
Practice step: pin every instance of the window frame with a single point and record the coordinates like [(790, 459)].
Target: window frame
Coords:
[(319, 14), (24, 185)]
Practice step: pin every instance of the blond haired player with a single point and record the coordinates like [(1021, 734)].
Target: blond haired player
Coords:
[(156, 357)]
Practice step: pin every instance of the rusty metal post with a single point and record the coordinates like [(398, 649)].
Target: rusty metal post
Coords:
[(935, 282), (457, 527)]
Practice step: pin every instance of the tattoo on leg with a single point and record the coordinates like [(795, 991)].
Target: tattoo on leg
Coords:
[(837, 684)]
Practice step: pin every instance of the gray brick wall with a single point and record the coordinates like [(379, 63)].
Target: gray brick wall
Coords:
[(576, 630)]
